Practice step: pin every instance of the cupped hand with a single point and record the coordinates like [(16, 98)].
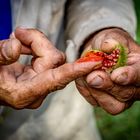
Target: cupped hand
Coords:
[(26, 86), (117, 91)]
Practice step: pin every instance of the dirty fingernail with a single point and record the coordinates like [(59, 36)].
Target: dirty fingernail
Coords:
[(122, 79), (97, 81), (109, 45)]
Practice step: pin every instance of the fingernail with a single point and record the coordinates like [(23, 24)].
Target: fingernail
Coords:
[(97, 81), (122, 78), (109, 45), (111, 41), (6, 50)]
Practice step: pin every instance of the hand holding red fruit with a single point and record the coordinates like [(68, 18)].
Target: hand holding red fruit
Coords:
[(117, 90), (110, 61)]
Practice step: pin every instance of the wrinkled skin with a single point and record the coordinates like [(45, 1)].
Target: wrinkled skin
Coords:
[(117, 91), (26, 86)]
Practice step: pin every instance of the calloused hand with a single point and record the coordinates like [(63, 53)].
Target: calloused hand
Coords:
[(117, 91), (26, 86)]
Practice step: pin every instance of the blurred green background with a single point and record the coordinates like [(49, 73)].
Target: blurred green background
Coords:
[(125, 126)]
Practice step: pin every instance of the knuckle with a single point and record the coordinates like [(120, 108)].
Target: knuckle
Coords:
[(127, 94), (130, 93), (60, 57), (122, 93), (57, 81), (112, 89), (35, 32)]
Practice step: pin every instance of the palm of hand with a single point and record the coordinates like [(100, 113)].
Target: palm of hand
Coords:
[(22, 85)]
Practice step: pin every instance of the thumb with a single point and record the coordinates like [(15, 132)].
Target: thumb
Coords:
[(109, 45), (9, 51), (107, 39)]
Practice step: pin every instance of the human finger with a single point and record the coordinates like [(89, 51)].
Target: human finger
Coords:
[(129, 74), (99, 79), (48, 56), (102, 81), (10, 50), (58, 78), (108, 102), (84, 90), (24, 49), (101, 98)]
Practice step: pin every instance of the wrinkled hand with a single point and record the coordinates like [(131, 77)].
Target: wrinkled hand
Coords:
[(117, 91), (26, 86)]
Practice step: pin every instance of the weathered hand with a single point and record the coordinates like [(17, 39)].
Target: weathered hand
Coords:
[(113, 92), (26, 86)]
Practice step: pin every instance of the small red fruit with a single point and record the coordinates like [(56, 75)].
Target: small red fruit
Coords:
[(91, 56), (110, 61)]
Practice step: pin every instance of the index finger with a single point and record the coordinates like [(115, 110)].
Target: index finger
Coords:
[(46, 55), (10, 51), (58, 78)]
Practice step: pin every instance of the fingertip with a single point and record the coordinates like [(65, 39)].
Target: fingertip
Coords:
[(11, 50), (115, 107), (109, 45), (98, 79), (124, 75), (15, 49), (86, 67), (95, 81)]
